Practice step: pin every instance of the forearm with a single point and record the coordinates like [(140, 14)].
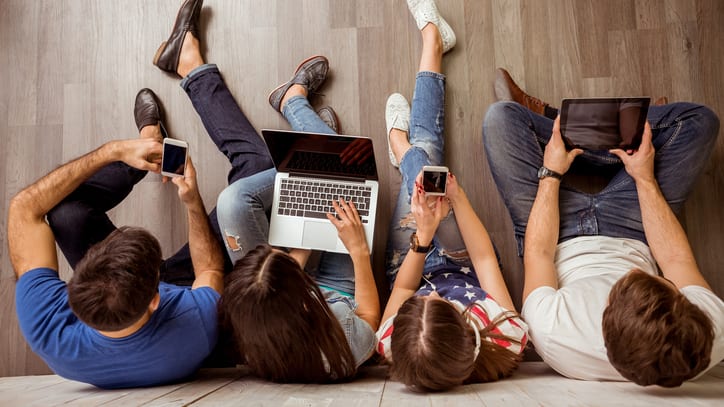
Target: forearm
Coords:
[(365, 291), (541, 237), (205, 250), (36, 200), (480, 250), (406, 283), (667, 239)]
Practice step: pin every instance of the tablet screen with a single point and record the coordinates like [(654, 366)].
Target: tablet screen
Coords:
[(603, 123)]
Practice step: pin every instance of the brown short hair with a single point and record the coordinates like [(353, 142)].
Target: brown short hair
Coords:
[(433, 346), (282, 324), (654, 335), (116, 280)]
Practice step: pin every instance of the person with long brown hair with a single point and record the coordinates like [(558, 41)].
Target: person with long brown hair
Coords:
[(289, 324), (440, 328)]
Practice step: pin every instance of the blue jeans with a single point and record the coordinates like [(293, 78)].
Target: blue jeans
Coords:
[(427, 148), (80, 220), (514, 139), (244, 208)]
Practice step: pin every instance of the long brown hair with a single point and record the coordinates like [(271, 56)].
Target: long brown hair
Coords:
[(654, 335), (433, 347), (114, 283), (282, 324)]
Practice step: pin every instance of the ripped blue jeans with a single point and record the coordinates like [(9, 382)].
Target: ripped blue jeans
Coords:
[(426, 137), (244, 208)]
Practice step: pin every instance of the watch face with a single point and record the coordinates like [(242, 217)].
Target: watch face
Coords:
[(542, 172)]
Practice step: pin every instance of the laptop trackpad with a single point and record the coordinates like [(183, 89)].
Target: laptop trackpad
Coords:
[(319, 235)]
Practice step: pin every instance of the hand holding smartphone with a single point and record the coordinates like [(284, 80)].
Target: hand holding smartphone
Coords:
[(175, 154), (434, 180)]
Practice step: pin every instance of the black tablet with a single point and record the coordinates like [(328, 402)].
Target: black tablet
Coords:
[(604, 123)]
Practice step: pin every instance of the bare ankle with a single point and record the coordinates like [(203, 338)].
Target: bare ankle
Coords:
[(190, 57), (399, 143), (294, 90)]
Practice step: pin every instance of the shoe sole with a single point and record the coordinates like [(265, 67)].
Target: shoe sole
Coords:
[(293, 75)]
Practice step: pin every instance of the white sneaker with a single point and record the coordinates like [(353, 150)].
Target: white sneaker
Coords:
[(397, 116), (425, 11)]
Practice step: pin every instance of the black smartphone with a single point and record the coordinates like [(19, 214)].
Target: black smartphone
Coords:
[(175, 153)]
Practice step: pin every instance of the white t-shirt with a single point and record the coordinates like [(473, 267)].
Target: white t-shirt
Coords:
[(565, 324)]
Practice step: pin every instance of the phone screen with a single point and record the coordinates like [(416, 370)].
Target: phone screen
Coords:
[(174, 159), (434, 181)]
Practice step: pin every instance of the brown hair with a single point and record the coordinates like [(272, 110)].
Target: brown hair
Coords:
[(115, 281), (282, 324), (433, 347), (654, 335)]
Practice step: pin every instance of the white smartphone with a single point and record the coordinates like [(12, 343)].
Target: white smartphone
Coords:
[(175, 154), (434, 179)]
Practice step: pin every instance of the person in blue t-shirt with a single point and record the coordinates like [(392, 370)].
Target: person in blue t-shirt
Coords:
[(119, 322)]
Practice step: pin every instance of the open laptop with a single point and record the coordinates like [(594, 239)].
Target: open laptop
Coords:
[(603, 123), (312, 170)]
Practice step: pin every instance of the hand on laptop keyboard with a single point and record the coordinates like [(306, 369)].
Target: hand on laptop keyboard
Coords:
[(349, 227)]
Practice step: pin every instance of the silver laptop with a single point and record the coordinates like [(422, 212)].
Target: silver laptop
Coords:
[(312, 170)]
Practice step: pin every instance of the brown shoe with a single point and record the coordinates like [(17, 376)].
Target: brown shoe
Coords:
[(329, 117), (187, 20), (663, 100), (311, 73), (506, 89), (147, 110)]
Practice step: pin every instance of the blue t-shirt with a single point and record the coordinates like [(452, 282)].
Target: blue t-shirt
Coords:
[(169, 347)]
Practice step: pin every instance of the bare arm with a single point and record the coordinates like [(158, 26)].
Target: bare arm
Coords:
[(541, 234), (408, 277), (30, 239), (664, 233), (351, 232), (478, 245), (206, 254)]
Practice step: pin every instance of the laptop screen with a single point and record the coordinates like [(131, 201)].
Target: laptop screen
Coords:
[(328, 155)]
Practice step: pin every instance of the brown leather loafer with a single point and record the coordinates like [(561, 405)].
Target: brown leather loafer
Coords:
[(168, 53), (329, 117), (147, 111), (506, 89), (311, 73)]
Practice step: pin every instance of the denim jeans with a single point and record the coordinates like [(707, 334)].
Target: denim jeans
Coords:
[(427, 148), (244, 208), (80, 220), (514, 139)]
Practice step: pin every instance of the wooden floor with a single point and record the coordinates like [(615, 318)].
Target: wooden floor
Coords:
[(71, 69), (535, 384)]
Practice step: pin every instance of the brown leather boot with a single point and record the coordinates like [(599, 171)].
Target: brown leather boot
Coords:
[(506, 89)]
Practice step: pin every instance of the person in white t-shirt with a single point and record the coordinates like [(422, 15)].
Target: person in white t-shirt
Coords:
[(612, 290)]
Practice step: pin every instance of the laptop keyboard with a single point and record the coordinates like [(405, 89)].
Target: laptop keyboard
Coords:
[(313, 198)]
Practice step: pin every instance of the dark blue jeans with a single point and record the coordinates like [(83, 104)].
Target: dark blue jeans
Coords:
[(80, 220), (514, 139)]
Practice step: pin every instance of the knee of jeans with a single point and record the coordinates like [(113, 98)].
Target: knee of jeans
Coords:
[(433, 150), (232, 201), (709, 121), (67, 216)]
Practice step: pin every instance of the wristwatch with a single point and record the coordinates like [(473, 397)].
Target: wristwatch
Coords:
[(544, 172), (415, 244)]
